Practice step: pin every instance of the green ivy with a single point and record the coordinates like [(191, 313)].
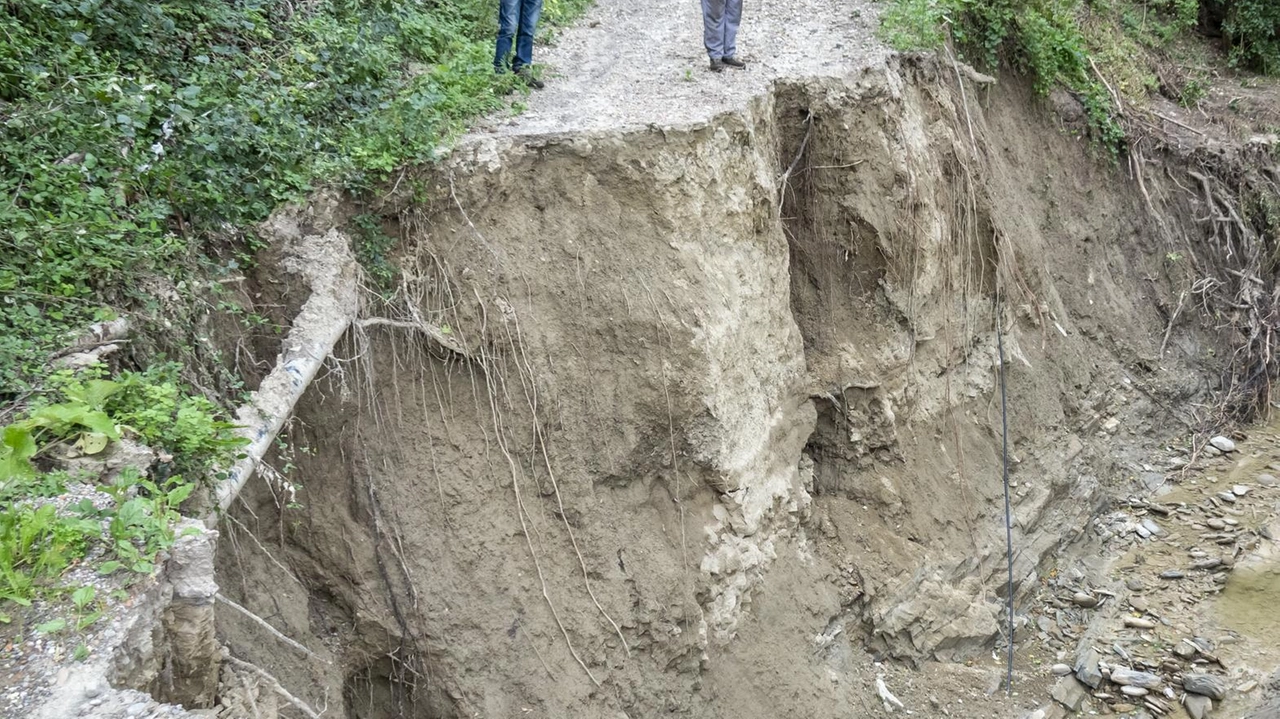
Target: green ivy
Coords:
[(134, 132)]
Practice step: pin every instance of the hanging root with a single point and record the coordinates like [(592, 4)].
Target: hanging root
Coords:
[(531, 396), (276, 687), (489, 369), (263, 623)]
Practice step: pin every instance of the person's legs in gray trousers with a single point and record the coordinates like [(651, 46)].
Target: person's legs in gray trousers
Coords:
[(713, 27), (720, 19), (732, 18)]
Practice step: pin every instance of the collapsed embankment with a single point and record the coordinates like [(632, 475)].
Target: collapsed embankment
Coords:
[(703, 419)]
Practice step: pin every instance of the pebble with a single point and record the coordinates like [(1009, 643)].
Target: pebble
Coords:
[(1227, 497), (1222, 444), (1216, 523), (1135, 584), (1143, 532), (1240, 490), (1060, 670), (1198, 706), (1172, 574), (1205, 684), (1138, 623), (1209, 563), (1123, 708), (1151, 526), (1268, 480), (1084, 599), (136, 710), (1184, 650), (1138, 603), (1247, 687)]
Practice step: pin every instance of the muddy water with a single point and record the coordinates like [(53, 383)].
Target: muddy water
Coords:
[(1250, 603)]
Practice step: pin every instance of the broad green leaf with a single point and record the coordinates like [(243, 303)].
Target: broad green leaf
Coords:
[(83, 596), (179, 495), (92, 442), (50, 627), (19, 441)]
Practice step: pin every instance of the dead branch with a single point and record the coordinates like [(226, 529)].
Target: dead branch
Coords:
[(782, 181), (1176, 122)]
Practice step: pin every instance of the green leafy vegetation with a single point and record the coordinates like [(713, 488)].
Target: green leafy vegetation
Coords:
[(82, 415), (1252, 28), (137, 134), (1057, 43)]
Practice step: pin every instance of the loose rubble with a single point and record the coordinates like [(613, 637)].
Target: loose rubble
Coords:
[(1141, 647)]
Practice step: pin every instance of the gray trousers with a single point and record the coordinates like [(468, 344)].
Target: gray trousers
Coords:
[(720, 20)]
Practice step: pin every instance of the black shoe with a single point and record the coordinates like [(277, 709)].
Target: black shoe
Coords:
[(526, 76), (732, 61), (717, 66)]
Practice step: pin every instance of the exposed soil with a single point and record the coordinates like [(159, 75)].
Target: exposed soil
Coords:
[(713, 429), (688, 405)]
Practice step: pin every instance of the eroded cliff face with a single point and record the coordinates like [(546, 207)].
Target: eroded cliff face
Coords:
[(702, 419)]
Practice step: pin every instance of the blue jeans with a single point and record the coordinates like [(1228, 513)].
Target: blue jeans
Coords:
[(720, 20), (510, 13)]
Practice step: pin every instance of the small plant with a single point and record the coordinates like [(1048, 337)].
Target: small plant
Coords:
[(85, 601), (1195, 90)]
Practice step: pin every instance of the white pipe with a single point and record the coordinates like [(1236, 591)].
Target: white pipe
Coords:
[(330, 269)]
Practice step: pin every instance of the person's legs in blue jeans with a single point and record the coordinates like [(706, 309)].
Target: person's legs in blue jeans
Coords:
[(529, 12), (508, 12)]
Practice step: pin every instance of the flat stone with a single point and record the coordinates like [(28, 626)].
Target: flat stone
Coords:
[(1216, 523), (1240, 490), (1138, 603), (1123, 707), (1172, 574), (1135, 584), (1198, 706), (1268, 480), (1227, 497), (1069, 693), (1139, 623), (1210, 563), (1222, 444), (1150, 525), (1206, 685), (1060, 670), (1247, 687), (1087, 670), (1132, 691), (1143, 532), (1134, 678), (1184, 650), (1084, 599)]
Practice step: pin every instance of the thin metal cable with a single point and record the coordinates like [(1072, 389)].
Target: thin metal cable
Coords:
[(1008, 516)]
